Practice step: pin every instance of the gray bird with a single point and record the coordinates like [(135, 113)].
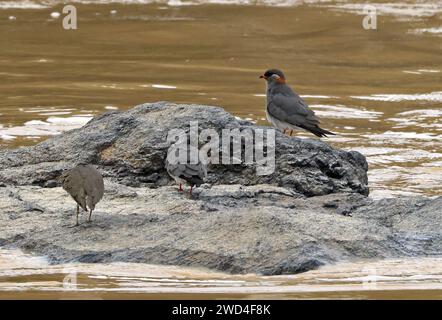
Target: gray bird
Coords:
[(185, 172), (286, 110), (85, 185)]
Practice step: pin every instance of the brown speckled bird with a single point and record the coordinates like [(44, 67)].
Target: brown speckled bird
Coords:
[(85, 185)]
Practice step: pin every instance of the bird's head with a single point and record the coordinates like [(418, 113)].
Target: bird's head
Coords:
[(273, 76)]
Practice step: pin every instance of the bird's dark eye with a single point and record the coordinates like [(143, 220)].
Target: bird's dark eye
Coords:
[(268, 74)]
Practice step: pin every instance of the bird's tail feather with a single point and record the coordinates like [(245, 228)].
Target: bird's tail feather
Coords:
[(317, 131)]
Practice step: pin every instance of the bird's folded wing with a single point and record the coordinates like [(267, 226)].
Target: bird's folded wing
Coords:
[(291, 109)]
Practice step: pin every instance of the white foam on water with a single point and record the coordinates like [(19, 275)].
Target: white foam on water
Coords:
[(400, 136), (42, 60), (56, 113), (22, 4), (389, 155), (411, 72), (404, 8), (69, 121), (424, 118), (429, 70), (421, 71), (110, 108), (55, 15), (401, 9), (422, 113), (38, 128), (432, 96), (39, 109), (341, 111), (28, 131), (6, 136), (428, 30), (162, 86)]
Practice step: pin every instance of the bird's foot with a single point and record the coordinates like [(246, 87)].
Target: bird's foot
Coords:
[(181, 188)]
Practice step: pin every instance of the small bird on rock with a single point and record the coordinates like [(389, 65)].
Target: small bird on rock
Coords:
[(85, 185), (286, 110), (185, 172)]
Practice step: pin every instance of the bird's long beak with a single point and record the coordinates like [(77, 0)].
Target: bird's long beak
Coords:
[(263, 77)]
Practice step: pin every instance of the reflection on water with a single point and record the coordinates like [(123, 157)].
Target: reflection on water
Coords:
[(26, 276)]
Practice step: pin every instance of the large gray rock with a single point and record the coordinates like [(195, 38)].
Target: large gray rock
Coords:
[(131, 147), (311, 211), (232, 228)]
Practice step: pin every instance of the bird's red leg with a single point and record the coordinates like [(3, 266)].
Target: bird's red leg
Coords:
[(180, 189), (191, 187)]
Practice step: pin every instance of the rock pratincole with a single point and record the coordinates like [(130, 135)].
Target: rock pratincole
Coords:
[(286, 110), (185, 171), (85, 185)]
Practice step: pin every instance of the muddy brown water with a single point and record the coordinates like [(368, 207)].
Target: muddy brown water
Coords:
[(380, 90)]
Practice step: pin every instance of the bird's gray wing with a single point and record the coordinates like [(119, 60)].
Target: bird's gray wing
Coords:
[(291, 109)]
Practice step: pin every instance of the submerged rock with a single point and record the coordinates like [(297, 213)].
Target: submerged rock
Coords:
[(131, 147)]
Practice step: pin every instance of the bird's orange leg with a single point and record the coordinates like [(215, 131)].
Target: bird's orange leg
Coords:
[(284, 130)]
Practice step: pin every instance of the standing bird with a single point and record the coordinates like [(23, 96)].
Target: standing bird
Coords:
[(183, 171), (286, 110), (85, 185)]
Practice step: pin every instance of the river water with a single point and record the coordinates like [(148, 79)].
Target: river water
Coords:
[(23, 275), (379, 90)]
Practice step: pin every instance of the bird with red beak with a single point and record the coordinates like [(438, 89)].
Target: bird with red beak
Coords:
[(286, 110)]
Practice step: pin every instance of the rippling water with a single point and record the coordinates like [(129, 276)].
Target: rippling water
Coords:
[(380, 90), (26, 275)]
